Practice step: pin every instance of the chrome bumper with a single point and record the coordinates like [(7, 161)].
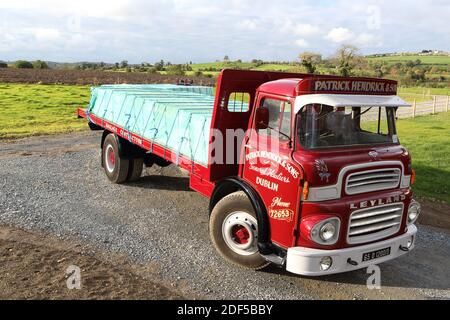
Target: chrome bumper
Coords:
[(305, 261)]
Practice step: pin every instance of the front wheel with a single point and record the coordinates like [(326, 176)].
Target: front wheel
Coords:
[(234, 231)]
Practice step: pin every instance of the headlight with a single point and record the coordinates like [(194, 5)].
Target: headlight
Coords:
[(326, 263), (413, 212), (326, 232)]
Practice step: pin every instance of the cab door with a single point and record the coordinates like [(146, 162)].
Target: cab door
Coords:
[(269, 167)]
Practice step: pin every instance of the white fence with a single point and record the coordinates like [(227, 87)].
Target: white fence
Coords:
[(436, 105)]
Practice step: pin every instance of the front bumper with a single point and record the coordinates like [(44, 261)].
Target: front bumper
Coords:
[(305, 261)]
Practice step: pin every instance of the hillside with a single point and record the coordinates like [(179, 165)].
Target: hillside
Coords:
[(426, 60)]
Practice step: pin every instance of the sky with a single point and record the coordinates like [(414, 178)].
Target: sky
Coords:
[(206, 30)]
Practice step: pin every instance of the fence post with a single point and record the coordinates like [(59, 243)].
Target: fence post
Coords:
[(434, 105), (414, 107), (448, 103)]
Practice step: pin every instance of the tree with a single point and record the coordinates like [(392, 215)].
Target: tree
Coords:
[(310, 60), (257, 62), (226, 58), (38, 64), (3, 64), (347, 58), (176, 70), (124, 64), (159, 66), (22, 64), (380, 68)]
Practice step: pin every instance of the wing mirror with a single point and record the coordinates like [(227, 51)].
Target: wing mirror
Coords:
[(262, 119)]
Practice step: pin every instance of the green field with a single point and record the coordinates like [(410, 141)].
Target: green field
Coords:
[(27, 110), (425, 91), (421, 94), (426, 60), (428, 140)]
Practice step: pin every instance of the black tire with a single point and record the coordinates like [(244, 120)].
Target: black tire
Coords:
[(116, 170), (135, 169), (225, 208)]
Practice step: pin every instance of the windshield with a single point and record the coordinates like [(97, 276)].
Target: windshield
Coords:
[(322, 126)]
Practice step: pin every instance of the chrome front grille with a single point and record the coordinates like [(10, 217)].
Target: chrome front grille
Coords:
[(372, 224), (373, 180)]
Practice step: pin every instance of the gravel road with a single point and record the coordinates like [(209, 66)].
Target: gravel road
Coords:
[(55, 185)]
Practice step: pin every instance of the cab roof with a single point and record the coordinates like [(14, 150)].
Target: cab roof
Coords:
[(284, 87)]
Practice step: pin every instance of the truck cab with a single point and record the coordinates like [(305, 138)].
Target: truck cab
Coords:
[(323, 158)]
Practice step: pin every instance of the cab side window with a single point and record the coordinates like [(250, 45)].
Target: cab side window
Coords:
[(280, 113)]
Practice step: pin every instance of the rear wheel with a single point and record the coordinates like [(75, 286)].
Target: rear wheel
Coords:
[(234, 231), (135, 169), (116, 166)]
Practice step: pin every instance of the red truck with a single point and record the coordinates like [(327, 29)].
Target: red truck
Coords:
[(315, 179)]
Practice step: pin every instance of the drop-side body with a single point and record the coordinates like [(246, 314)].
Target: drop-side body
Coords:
[(303, 171)]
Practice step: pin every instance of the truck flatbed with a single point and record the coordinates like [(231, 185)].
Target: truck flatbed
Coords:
[(175, 117)]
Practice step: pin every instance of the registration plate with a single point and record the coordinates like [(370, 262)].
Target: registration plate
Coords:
[(376, 254)]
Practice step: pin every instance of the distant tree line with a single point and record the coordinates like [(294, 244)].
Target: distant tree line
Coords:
[(347, 61), (23, 64)]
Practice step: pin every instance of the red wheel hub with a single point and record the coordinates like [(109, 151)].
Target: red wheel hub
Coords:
[(112, 157), (240, 234)]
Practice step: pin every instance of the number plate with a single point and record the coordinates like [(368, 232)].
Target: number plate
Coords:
[(376, 254)]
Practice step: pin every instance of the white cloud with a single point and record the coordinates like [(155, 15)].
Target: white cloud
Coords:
[(112, 9), (46, 34), (340, 35), (305, 30), (206, 30), (248, 24), (302, 43), (368, 40)]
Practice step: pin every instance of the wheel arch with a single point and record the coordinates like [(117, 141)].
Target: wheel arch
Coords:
[(235, 184)]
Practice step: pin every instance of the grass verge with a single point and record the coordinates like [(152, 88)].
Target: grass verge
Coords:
[(28, 110), (428, 140)]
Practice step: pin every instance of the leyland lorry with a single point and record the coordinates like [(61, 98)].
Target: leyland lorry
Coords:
[(302, 171)]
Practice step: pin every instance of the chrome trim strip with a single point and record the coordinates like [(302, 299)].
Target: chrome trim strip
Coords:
[(384, 184), (333, 192)]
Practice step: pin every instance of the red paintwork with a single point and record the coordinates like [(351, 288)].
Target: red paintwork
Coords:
[(81, 113), (290, 218)]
